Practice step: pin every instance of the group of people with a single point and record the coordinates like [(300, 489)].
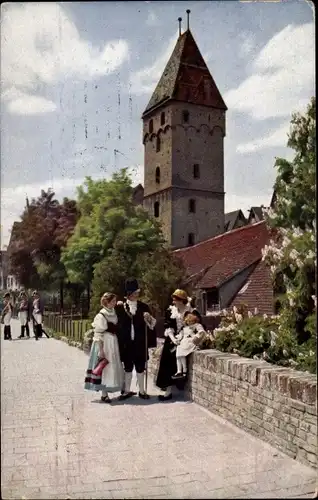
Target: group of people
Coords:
[(124, 331), (28, 310)]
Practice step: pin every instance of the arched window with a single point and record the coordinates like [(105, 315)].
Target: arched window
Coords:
[(151, 126), (196, 171), (156, 208), (185, 116), (190, 239), (158, 175), (158, 144), (162, 118), (192, 206)]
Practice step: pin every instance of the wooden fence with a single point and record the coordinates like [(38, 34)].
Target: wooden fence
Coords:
[(75, 328)]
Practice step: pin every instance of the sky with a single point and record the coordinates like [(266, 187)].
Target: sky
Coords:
[(76, 77)]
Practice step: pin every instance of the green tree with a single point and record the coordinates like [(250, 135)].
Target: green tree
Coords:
[(111, 229), (38, 239)]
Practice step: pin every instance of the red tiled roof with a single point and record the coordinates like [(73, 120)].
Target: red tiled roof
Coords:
[(257, 291), (221, 257)]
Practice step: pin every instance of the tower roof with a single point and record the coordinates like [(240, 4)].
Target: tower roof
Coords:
[(186, 78)]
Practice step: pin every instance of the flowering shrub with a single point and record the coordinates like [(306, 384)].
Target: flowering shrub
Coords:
[(290, 338), (261, 337)]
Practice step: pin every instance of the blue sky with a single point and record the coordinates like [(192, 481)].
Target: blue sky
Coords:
[(76, 78)]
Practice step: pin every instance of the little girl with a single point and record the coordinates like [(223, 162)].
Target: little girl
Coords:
[(187, 340), (6, 316)]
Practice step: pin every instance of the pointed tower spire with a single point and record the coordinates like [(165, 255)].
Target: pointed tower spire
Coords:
[(27, 202), (179, 19), (185, 71), (188, 17)]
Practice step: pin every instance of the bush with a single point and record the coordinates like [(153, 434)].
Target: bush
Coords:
[(263, 337)]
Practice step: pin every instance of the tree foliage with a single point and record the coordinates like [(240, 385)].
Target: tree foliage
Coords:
[(292, 255), (38, 238), (110, 235)]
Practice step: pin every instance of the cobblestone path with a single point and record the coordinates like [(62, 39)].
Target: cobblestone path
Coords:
[(58, 441)]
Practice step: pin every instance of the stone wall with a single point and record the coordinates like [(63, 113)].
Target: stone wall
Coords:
[(278, 405)]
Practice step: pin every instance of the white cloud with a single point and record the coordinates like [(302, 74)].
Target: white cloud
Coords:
[(283, 76), (278, 138), (41, 45), (13, 199), (146, 79), (25, 104)]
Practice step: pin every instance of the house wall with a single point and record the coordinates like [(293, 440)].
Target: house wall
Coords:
[(228, 291)]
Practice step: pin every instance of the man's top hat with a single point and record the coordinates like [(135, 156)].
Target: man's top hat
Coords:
[(131, 286)]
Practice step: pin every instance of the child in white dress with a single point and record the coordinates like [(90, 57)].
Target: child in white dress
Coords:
[(188, 340)]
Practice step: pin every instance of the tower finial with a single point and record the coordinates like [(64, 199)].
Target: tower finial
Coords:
[(188, 13), (179, 19)]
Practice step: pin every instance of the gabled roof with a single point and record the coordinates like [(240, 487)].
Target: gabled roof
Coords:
[(257, 291), (256, 212), (184, 76), (230, 219), (218, 259)]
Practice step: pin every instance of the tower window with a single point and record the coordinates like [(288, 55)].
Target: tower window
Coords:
[(185, 116), (196, 171), (192, 207), (158, 144), (157, 175), (162, 118), (156, 208), (151, 126), (191, 239)]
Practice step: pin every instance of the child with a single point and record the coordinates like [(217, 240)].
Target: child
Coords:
[(6, 316), (187, 340)]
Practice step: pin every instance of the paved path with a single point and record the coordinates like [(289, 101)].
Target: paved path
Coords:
[(57, 441)]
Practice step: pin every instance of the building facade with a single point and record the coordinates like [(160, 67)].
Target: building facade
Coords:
[(183, 137)]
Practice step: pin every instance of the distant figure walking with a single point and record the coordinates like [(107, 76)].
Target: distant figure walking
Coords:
[(105, 372), (6, 316), (37, 315), (24, 315)]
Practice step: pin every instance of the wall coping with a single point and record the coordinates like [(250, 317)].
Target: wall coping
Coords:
[(294, 384), (297, 385)]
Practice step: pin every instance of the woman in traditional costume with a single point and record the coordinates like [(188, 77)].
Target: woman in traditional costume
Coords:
[(174, 322), (105, 350)]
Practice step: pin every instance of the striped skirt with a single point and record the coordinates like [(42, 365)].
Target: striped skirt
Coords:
[(112, 376)]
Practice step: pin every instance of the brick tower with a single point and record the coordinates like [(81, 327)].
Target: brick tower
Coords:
[(183, 134)]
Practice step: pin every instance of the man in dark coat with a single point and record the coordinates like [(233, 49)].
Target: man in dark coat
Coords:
[(136, 334)]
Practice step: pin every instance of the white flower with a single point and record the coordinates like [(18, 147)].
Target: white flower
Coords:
[(238, 317), (285, 353), (291, 302), (255, 356), (273, 343), (234, 309), (261, 338), (294, 254), (265, 316), (249, 314), (311, 353), (314, 298), (255, 311), (265, 355)]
